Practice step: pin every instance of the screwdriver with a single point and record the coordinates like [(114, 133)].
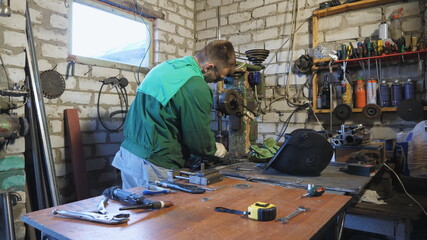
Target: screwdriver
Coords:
[(314, 191)]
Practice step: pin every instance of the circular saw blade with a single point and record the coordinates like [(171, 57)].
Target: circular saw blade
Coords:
[(53, 84)]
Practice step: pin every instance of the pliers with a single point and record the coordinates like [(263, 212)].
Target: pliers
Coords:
[(94, 217)]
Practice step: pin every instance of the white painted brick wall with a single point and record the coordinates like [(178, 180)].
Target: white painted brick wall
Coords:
[(70, 97), (248, 5), (228, 9), (106, 149), (175, 18), (270, 33), (15, 39), (56, 126), (103, 72), (264, 11), (361, 17), (95, 164), (54, 51), (14, 60), (252, 25), (58, 21), (94, 137), (16, 75), (348, 33), (50, 35), (413, 24), (15, 22), (166, 26), (330, 22), (369, 30), (57, 141), (57, 5), (239, 17), (266, 127)]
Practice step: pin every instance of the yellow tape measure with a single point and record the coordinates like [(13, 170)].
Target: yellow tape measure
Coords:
[(262, 211)]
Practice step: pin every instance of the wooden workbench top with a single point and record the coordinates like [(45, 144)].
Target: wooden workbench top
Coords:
[(192, 216)]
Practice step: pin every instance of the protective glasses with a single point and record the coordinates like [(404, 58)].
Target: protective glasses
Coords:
[(218, 76)]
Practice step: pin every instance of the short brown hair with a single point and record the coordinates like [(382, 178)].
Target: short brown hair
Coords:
[(219, 52)]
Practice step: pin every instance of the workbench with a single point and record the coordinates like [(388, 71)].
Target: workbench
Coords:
[(393, 219), (193, 217)]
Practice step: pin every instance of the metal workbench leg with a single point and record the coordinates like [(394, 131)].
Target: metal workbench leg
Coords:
[(6, 220), (340, 225)]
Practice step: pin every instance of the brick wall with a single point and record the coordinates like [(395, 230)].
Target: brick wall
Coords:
[(267, 24), (174, 37)]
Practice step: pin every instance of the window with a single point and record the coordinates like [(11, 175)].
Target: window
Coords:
[(106, 36)]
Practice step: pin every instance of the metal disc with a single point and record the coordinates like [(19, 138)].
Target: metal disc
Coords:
[(410, 110), (53, 84), (342, 111), (372, 111)]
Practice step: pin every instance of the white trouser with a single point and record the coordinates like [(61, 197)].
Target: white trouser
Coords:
[(136, 171)]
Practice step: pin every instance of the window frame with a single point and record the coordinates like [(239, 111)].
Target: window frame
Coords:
[(120, 12)]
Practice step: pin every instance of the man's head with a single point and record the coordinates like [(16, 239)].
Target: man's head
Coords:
[(217, 60)]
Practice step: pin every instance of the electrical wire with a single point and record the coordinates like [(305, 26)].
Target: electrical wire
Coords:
[(149, 42), (5, 72), (404, 189), (121, 91)]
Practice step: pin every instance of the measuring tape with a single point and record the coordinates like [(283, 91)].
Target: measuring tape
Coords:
[(259, 211)]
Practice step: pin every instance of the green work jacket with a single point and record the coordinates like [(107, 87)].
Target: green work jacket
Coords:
[(168, 122)]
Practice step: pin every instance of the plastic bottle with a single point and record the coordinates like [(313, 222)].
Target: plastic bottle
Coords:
[(384, 94), (396, 93), (371, 91), (396, 25), (347, 94), (409, 89), (360, 93)]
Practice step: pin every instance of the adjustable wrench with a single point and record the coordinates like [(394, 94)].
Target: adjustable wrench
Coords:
[(299, 210)]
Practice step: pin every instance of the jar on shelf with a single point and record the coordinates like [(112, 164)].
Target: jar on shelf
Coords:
[(360, 93)]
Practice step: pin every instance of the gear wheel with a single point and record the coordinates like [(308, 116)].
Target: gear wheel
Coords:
[(53, 84)]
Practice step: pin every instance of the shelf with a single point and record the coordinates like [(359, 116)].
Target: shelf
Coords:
[(384, 109), (382, 56), (350, 6)]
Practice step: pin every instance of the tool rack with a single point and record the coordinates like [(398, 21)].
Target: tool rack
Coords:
[(340, 9)]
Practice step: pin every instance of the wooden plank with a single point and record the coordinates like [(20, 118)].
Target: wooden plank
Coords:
[(315, 31), (192, 216), (74, 138), (350, 6)]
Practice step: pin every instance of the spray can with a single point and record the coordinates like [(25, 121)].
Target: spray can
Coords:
[(396, 25), (396, 92), (409, 89), (383, 31), (360, 93), (384, 94), (371, 91), (347, 94), (319, 101)]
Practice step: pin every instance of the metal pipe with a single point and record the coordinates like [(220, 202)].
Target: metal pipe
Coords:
[(8, 231), (41, 114)]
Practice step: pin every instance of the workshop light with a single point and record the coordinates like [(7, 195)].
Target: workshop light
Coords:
[(5, 8)]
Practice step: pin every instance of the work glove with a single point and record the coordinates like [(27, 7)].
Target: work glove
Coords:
[(220, 150)]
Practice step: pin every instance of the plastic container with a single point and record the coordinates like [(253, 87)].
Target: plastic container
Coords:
[(417, 151), (409, 89), (371, 91), (396, 25), (360, 93), (384, 94), (396, 93)]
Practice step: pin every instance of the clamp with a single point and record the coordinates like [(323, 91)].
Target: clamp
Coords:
[(94, 217)]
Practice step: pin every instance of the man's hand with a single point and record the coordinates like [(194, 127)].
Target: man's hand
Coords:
[(220, 150)]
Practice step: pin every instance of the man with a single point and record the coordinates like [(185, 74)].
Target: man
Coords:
[(170, 116)]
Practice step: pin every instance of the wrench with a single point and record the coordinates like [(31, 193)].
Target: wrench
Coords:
[(299, 210)]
